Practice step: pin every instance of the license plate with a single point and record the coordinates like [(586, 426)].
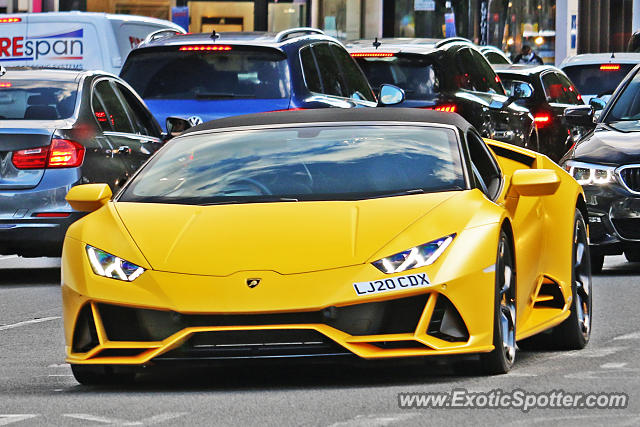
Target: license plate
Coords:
[(392, 284)]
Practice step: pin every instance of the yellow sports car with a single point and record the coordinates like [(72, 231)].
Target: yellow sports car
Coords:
[(375, 233)]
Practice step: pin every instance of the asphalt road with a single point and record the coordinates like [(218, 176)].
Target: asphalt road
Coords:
[(36, 387)]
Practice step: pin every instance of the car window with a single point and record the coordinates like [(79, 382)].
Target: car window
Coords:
[(484, 167), (573, 97), (330, 75), (597, 79), (485, 79), (356, 80), (193, 72), (495, 58), (142, 120), (508, 85), (465, 67), (310, 70), (627, 106), (417, 75), (554, 89), (27, 99), (108, 108)]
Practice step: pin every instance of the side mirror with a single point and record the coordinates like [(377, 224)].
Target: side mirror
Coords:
[(579, 116), (535, 182), (517, 90), (176, 125), (89, 197), (390, 95), (597, 103)]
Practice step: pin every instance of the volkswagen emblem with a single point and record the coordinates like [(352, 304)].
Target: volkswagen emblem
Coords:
[(252, 283), (194, 120)]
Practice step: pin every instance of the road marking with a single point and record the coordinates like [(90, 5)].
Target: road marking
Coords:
[(374, 420), (591, 352), (28, 322), (60, 365), (14, 418), (156, 419), (613, 365), (631, 336), (608, 374)]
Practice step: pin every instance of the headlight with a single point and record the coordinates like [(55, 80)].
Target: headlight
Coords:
[(589, 173), (107, 265), (415, 257)]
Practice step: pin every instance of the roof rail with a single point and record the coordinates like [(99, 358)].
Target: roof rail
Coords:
[(160, 34), (452, 40), (283, 35)]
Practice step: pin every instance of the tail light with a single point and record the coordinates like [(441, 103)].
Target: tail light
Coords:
[(10, 20), (5, 84), (372, 54), (542, 119), (609, 67), (206, 47), (62, 153), (51, 214), (447, 108)]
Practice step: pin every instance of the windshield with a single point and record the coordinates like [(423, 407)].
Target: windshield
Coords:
[(37, 99), (592, 80), (627, 106), (301, 163), (208, 74), (416, 76)]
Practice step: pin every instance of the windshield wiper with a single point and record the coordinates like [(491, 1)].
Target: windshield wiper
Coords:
[(260, 200), (219, 95), (398, 193)]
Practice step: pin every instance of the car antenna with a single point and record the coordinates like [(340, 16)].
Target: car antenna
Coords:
[(376, 43), (3, 71), (613, 55), (214, 36)]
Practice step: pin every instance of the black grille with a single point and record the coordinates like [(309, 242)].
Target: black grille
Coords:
[(393, 345), (85, 336), (631, 178), (627, 228), (386, 317), (255, 344), (120, 352)]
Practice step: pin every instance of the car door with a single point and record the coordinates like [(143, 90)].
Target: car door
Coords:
[(560, 94), (526, 216), (146, 138), (358, 88)]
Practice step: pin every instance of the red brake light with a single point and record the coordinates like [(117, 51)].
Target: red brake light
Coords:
[(5, 84), (446, 108), (10, 20), (542, 119), (205, 47), (609, 67), (51, 214), (62, 153), (33, 158), (65, 154), (372, 54)]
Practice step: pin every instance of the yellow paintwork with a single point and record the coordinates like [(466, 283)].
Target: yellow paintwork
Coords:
[(88, 197), (308, 255)]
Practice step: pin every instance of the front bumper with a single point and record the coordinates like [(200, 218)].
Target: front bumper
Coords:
[(614, 218), (165, 316)]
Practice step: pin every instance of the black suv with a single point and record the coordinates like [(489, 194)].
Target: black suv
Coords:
[(202, 77), (447, 75)]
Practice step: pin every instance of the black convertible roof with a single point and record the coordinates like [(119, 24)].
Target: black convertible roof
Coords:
[(337, 115)]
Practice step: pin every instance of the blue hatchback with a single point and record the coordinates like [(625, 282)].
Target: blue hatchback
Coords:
[(201, 77)]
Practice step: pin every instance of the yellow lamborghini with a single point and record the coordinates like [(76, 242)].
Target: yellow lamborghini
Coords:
[(366, 233)]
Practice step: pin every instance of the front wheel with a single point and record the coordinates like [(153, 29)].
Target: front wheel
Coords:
[(501, 359)]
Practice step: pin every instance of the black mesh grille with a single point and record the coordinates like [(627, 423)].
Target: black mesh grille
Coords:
[(631, 177), (255, 344), (386, 317), (392, 345), (627, 228)]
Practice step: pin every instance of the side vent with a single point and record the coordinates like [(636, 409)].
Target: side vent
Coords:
[(549, 295), (446, 322), (85, 336)]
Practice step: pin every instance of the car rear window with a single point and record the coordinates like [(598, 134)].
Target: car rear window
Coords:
[(418, 77), (37, 99), (597, 79), (161, 73)]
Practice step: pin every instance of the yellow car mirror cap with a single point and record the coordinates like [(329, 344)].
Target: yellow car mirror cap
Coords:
[(89, 197), (534, 182)]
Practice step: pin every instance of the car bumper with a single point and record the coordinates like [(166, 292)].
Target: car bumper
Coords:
[(614, 218), (164, 316)]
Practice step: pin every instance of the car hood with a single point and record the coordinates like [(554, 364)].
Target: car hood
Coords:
[(615, 144), (286, 237)]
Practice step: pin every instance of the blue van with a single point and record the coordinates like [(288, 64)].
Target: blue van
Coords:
[(201, 77)]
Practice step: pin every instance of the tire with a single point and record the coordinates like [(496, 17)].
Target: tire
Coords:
[(501, 358), (100, 375), (632, 255), (597, 261), (575, 331)]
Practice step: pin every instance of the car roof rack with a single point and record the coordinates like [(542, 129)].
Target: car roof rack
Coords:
[(284, 35), (160, 34), (452, 40)]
